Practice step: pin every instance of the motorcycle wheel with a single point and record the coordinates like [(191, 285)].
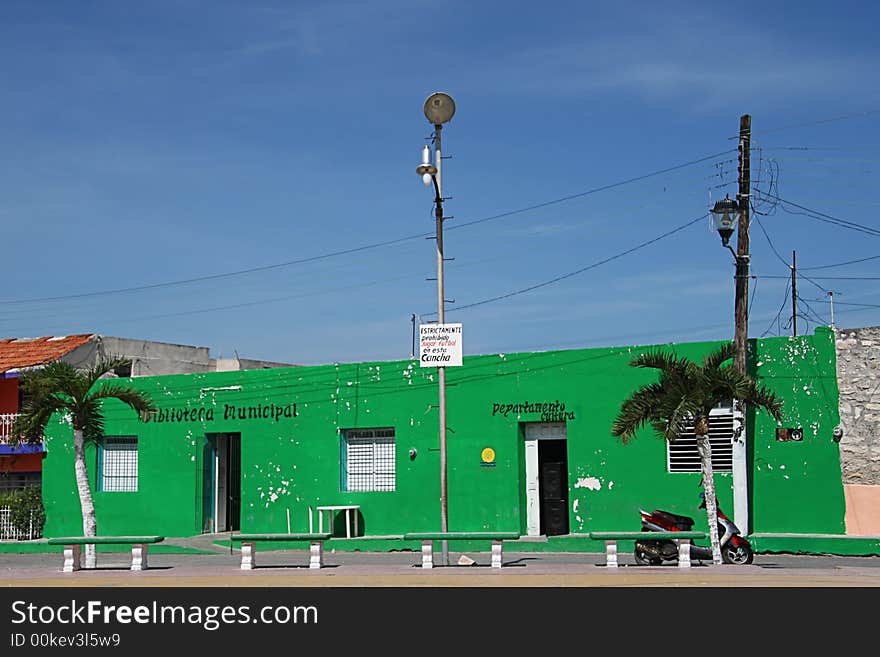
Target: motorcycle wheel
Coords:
[(643, 559), (738, 556)]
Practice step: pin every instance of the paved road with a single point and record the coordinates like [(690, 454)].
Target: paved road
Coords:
[(359, 569)]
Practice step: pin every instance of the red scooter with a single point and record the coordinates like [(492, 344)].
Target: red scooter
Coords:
[(734, 548)]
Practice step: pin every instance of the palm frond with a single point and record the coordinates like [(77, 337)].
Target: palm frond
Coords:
[(134, 399), (689, 405), (104, 366), (58, 386), (30, 423), (637, 411), (717, 358), (687, 390), (661, 360), (762, 398), (55, 377)]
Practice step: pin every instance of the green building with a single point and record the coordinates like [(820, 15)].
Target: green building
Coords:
[(529, 449)]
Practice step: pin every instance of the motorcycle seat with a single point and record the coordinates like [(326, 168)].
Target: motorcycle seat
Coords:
[(684, 522)]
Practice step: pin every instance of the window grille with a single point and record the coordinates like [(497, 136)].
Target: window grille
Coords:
[(118, 464), (682, 455), (368, 460), (10, 481)]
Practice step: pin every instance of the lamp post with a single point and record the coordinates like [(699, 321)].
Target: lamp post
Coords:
[(439, 109)]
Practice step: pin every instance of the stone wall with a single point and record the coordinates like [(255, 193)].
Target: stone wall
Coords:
[(858, 377)]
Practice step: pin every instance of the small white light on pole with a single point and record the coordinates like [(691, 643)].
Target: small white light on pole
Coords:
[(426, 170)]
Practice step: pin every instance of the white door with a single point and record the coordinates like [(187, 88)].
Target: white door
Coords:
[(220, 484), (533, 499)]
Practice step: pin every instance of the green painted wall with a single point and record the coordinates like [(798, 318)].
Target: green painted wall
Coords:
[(797, 486), (294, 462)]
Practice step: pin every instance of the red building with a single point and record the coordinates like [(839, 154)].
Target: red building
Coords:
[(22, 465)]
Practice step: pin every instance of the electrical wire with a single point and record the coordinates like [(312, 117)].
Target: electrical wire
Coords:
[(836, 278), (365, 247), (821, 216), (578, 271), (803, 301), (770, 242), (784, 301), (590, 191), (841, 264), (817, 122)]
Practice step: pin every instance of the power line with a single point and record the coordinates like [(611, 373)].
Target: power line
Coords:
[(810, 280), (223, 275), (366, 247), (841, 264), (835, 278), (821, 216), (591, 191), (579, 271), (810, 308), (817, 122), (779, 312), (846, 303), (770, 242)]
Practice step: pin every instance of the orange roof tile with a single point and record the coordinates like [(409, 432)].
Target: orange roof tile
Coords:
[(27, 352)]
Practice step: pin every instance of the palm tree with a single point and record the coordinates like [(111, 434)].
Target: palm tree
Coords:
[(60, 388), (686, 392)]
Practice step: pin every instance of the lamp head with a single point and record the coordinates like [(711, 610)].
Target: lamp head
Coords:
[(439, 108), (725, 215)]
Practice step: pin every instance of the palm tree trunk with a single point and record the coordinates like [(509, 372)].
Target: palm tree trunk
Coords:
[(705, 451), (86, 503)]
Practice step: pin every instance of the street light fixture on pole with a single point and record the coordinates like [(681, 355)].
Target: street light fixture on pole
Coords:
[(439, 109)]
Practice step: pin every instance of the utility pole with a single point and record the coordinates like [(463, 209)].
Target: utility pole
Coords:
[(741, 310), (412, 353), (794, 293), (741, 331), (831, 300), (441, 371)]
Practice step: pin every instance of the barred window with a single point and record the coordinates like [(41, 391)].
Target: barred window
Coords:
[(118, 464), (682, 455), (368, 459), (10, 481)]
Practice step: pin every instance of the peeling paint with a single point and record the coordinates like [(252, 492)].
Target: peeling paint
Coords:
[(588, 482)]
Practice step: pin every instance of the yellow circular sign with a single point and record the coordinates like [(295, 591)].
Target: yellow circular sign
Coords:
[(488, 455)]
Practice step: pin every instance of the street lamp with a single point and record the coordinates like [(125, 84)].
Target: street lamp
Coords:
[(439, 109), (725, 215)]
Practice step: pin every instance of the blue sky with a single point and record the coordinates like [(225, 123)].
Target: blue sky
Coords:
[(149, 143)]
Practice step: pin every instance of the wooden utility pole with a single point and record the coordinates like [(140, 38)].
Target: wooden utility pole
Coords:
[(743, 197), (794, 293), (741, 332)]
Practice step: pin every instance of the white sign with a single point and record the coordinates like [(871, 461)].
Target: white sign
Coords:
[(440, 345)]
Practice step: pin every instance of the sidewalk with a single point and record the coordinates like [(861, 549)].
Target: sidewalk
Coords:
[(288, 568)]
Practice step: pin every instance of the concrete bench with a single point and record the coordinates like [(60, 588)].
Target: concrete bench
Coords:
[(428, 538), (249, 543), (683, 538), (73, 548)]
